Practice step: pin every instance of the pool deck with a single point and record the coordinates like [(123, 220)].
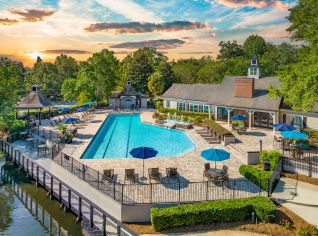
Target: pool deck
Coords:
[(190, 165)]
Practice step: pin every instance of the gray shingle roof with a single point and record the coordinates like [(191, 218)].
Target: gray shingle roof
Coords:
[(34, 100), (223, 94)]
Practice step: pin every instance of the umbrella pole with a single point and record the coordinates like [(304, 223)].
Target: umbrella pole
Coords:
[(143, 168), (215, 165)]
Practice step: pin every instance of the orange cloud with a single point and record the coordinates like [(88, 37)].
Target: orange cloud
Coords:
[(255, 3)]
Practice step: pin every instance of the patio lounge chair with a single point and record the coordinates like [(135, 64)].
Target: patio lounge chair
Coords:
[(130, 175), (172, 173), (108, 175), (225, 175), (154, 174)]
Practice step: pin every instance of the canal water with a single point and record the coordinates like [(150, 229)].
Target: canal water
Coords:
[(27, 210)]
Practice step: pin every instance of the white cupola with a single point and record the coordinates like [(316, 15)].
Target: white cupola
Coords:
[(254, 70)]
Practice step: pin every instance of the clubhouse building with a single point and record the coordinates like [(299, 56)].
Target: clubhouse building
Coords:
[(246, 96)]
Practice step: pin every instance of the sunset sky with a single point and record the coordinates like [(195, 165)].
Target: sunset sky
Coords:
[(178, 28)]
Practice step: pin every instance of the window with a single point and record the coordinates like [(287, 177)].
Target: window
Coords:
[(167, 103), (206, 109), (198, 108), (254, 62), (253, 71), (181, 106)]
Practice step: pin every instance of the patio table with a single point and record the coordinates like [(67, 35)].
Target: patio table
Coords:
[(215, 172), (29, 142)]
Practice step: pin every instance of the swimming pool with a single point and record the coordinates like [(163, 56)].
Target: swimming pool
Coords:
[(120, 133)]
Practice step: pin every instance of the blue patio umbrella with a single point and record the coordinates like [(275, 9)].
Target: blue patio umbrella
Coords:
[(294, 135), (63, 109), (70, 120), (284, 127), (215, 154), (239, 117), (82, 109), (90, 103), (143, 153)]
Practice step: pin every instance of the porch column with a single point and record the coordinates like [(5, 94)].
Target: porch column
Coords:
[(228, 109), (209, 111), (250, 113), (215, 112), (273, 114)]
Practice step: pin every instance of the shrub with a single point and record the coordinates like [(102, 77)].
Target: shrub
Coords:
[(17, 126), (211, 124), (272, 156), (180, 112), (158, 105), (309, 230), (259, 177), (212, 212), (237, 122)]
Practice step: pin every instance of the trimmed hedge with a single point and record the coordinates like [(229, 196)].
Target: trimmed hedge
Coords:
[(259, 177), (212, 212), (185, 113), (211, 124), (272, 156)]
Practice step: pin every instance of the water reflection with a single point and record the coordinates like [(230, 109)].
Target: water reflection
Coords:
[(26, 210)]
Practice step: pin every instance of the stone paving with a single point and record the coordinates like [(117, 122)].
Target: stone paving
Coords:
[(190, 166)]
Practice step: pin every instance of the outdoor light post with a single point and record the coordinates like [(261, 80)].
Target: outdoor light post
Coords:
[(260, 146)]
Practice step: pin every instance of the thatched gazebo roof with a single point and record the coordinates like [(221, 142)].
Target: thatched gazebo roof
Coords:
[(34, 100)]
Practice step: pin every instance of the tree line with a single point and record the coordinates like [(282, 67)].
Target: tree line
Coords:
[(152, 73)]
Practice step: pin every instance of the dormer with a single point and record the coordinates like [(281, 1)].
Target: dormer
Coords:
[(254, 70)]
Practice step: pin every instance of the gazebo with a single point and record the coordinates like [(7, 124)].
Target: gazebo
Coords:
[(34, 100)]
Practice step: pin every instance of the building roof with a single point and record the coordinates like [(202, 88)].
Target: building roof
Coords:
[(223, 94), (128, 91), (34, 100)]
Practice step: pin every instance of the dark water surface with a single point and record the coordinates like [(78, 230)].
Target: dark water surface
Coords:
[(26, 209)]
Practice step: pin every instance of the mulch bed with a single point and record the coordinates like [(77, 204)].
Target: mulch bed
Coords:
[(286, 224), (302, 178)]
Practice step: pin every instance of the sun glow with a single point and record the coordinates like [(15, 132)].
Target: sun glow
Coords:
[(34, 55)]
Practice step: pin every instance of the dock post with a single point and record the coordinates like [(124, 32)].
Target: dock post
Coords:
[(69, 199), (79, 209), (104, 225), (37, 176), (91, 216)]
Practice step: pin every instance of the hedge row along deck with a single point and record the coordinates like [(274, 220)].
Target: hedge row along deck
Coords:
[(212, 212)]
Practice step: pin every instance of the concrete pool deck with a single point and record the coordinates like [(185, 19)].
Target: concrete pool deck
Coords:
[(190, 165)]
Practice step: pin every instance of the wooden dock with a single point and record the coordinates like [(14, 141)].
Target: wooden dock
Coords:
[(88, 204)]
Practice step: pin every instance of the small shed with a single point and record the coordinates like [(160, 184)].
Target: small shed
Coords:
[(129, 98), (34, 100)]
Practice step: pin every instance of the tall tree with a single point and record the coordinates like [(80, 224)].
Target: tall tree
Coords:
[(98, 76), (230, 50), (254, 44), (68, 89), (66, 66), (304, 24), (138, 67), (212, 73)]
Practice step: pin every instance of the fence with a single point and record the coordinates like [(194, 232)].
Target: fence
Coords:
[(163, 192), (86, 210), (300, 160)]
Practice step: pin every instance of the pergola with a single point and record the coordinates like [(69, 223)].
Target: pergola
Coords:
[(34, 100)]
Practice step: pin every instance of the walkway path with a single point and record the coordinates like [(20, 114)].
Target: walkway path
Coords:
[(299, 197), (91, 193)]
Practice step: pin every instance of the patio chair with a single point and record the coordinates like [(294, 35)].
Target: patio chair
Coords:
[(130, 175), (225, 175), (172, 173), (108, 175), (56, 123), (205, 172), (52, 124), (154, 174)]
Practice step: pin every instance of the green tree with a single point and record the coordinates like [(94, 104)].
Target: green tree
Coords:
[(97, 77), (68, 89), (66, 66), (138, 67), (254, 44), (185, 72), (230, 50), (212, 73), (299, 84), (304, 24), (156, 83)]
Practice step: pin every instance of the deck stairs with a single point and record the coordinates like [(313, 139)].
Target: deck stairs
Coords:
[(235, 150)]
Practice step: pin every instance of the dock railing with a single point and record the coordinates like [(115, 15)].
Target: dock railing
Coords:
[(85, 210)]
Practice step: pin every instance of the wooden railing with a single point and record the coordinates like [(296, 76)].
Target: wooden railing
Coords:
[(85, 210)]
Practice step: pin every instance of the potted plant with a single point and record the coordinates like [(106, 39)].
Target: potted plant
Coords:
[(69, 137)]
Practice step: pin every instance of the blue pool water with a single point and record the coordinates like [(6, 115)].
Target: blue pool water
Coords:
[(121, 133)]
